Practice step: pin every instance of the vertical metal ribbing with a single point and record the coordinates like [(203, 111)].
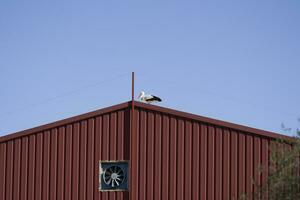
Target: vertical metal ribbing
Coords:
[(157, 156), (9, 170), (90, 158), (249, 166), (17, 168), (101, 142), (211, 163), (135, 187), (139, 131), (229, 164), (234, 167), (68, 161), (46, 165), (242, 164), (31, 167), (83, 160), (195, 160), (143, 155), (180, 154), (24, 170), (154, 158), (112, 144), (165, 157), (39, 166), (173, 158), (120, 143), (219, 163), (169, 153), (200, 158), (2, 169), (53, 165), (61, 163), (257, 162), (203, 168), (265, 162), (97, 154), (150, 156), (176, 158), (188, 159), (75, 162), (120, 136), (226, 164)]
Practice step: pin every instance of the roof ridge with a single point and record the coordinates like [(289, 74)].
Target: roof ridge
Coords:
[(156, 108), (62, 122), (212, 121)]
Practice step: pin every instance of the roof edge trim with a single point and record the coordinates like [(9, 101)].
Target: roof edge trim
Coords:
[(62, 122), (212, 121), (138, 104)]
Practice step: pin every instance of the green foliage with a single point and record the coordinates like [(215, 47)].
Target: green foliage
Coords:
[(283, 182)]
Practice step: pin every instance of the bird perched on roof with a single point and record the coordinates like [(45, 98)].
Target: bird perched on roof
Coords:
[(148, 98)]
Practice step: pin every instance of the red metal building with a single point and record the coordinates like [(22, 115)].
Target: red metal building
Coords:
[(170, 155)]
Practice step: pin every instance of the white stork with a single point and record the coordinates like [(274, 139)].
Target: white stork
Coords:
[(148, 98)]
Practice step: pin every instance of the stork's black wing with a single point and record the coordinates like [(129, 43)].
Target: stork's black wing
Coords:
[(155, 98)]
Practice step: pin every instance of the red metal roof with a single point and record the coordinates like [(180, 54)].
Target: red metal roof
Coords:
[(149, 107), (172, 155)]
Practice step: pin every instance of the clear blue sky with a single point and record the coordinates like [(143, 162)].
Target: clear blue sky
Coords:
[(237, 61)]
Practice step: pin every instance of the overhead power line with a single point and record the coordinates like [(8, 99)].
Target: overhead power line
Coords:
[(62, 95)]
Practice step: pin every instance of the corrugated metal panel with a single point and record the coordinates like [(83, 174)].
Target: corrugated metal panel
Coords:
[(182, 158), (62, 162), (176, 156)]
